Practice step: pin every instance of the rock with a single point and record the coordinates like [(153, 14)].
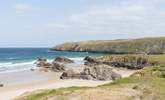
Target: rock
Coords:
[(115, 76), (97, 72), (71, 74), (42, 63), (101, 72), (89, 59), (41, 59), (1, 85), (67, 74), (57, 66), (129, 62), (32, 69), (46, 66), (63, 60)]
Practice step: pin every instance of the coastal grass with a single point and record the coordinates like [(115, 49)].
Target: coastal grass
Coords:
[(44, 94), (159, 59), (149, 81)]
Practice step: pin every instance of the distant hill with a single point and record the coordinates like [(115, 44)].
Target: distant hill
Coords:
[(120, 46)]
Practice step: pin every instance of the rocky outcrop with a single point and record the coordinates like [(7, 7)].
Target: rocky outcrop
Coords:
[(42, 63), (49, 66), (57, 66), (129, 62), (98, 72), (90, 59), (63, 60), (102, 72), (127, 46)]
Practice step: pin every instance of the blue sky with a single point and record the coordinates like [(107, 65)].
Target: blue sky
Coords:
[(45, 23)]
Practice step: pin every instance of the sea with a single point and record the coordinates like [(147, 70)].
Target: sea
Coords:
[(21, 59)]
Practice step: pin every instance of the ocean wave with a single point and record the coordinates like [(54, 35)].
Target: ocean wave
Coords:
[(79, 60), (14, 67), (22, 66), (9, 58)]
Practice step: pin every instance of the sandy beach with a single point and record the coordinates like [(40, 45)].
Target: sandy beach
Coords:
[(16, 84)]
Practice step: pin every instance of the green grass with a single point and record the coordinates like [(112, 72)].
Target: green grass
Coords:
[(157, 59), (43, 94)]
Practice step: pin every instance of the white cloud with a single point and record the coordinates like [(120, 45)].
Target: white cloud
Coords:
[(22, 8), (130, 17)]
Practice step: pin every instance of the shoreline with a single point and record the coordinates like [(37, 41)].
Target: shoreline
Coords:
[(47, 80)]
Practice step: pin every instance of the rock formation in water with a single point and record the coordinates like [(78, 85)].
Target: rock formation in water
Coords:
[(63, 60)]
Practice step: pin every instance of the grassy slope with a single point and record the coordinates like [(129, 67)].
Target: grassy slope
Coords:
[(149, 83), (151, 58), (144, 45)]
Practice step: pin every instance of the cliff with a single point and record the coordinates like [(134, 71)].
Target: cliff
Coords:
[(120, 46)]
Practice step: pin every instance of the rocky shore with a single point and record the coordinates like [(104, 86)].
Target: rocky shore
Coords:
[(98, 68), (61, 72)]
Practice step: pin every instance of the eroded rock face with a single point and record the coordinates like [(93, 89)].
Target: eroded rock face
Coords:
[(125, 62), (102, 72), (63, 60), (98, 72), (69, 74), (57, 66)]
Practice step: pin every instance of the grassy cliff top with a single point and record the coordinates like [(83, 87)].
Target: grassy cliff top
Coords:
[(143, 45)]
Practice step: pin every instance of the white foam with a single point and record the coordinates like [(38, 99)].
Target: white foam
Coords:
[(14, 67), (78, 60), (22, 66)]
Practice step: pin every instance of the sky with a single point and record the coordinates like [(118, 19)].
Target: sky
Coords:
[(45, 23)]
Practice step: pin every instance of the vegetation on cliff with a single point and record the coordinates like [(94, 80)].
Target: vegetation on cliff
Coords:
[(127, 46)]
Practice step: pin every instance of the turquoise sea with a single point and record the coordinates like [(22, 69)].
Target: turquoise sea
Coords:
[(19, 59)]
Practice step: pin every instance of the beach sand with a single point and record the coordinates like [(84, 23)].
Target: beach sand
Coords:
[(18, 83)]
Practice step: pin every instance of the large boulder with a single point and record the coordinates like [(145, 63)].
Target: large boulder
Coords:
[(46, 66), (42, 63), (63, 60), (102, 72), (57, 66), (69, 74), (89, 59), (97, 72)]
